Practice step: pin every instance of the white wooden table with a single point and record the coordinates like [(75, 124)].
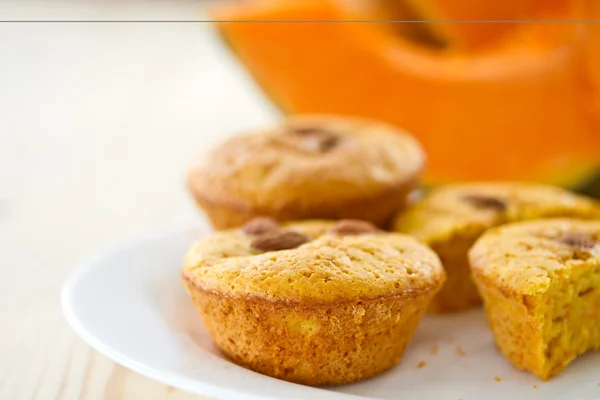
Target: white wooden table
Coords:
[(98, 122)]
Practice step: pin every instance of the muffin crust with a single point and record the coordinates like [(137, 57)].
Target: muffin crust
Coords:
[(339, 308), (540, 282), (308, 167), (451, 218)]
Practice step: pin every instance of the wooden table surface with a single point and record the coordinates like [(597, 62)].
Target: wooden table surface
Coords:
[(98, 123)]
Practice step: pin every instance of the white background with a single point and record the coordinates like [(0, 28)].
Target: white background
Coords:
[(98, 123)]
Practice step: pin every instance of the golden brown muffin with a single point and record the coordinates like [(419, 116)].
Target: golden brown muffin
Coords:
[(308, 167), (312, 302), (451, 218), (540, 282)]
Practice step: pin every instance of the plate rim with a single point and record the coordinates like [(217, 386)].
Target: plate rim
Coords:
[(170, 379), (202, 385), (196, 386)]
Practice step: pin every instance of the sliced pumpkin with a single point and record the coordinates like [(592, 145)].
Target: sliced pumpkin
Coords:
[(468, 23), (389, 12), (510, 111), (590, 10)]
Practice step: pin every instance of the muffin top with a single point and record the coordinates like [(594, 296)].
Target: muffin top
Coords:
[(311, 156), (313, 261), (524, 257), (475, 207)]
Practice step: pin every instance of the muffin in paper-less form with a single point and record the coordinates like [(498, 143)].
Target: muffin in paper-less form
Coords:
[(308, 167), (312, 302), (540, 282), (450, 218)]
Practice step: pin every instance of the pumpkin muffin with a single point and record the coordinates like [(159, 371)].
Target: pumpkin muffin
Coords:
[(308, 167), (311, 302), (540, 282), (450, 218)]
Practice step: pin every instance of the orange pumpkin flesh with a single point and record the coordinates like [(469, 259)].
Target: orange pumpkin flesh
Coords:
[(469, 35), (501, 113), (391, 11), (590, 9)]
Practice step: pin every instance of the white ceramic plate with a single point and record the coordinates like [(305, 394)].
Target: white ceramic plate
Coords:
[(129, 305)]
